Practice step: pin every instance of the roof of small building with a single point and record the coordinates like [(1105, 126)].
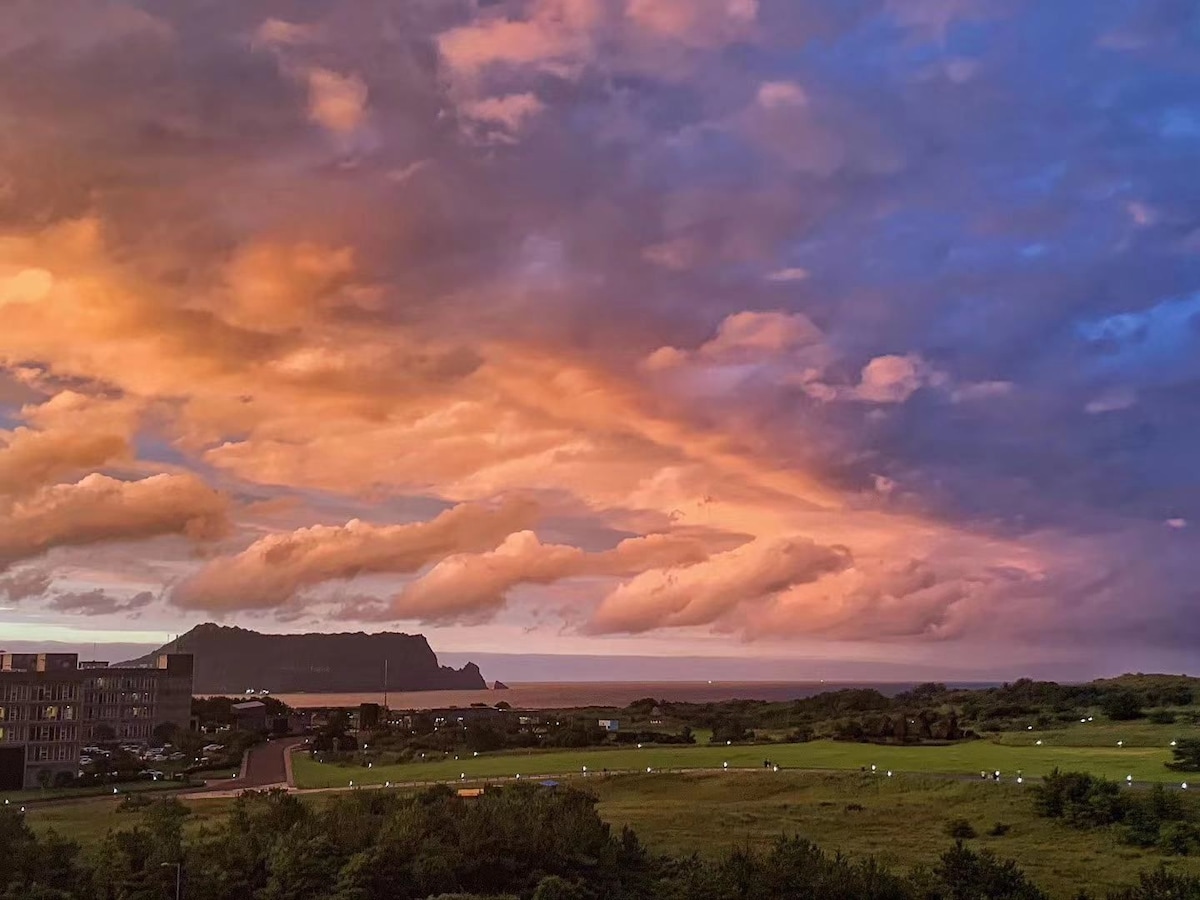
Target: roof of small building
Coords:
[(249, 706)]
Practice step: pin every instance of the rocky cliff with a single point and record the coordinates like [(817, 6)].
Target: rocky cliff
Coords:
[(231, 660)]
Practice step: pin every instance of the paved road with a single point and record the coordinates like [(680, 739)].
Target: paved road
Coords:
[(264, 765)]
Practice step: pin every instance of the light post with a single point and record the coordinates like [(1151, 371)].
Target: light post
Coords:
[(178, 876)]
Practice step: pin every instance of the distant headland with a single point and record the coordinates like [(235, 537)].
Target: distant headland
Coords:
[(234, 660)]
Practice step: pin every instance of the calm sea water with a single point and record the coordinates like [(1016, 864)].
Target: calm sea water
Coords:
[(546, 695)]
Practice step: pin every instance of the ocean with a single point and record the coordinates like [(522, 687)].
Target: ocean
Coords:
[(550, 695)]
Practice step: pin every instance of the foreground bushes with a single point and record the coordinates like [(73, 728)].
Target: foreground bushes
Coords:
[(1154, 818), (515, 843)]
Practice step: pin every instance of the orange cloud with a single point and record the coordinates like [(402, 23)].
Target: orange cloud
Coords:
[(73, 433), (98, 509), (273, 570), (337, 102), (278, 370), (474, 588), (705, 593)]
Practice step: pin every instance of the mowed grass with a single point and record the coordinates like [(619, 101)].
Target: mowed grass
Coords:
[(902, 822), (1144, 763), (1103, 734)]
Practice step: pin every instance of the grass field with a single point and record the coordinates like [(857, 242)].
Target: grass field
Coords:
[(87, 821), (1144, 763), (902, 822), (38, 795)]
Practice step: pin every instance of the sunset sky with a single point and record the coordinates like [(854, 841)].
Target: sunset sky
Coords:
[(859, 330)]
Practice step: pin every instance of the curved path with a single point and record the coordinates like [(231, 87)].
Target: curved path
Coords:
[(263, 766)]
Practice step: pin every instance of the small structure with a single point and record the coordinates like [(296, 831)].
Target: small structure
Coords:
[(470, 793), (610, 725), (368, 716), (250, 716)]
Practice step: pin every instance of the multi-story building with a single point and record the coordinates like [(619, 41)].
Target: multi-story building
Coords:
[(51, 706)]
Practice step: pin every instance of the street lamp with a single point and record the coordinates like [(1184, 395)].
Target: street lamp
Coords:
[(178, 876)]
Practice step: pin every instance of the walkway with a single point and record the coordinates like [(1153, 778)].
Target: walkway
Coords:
[(263, 766)]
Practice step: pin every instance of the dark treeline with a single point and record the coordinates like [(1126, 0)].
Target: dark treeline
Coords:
[(929, 713), (531, 843), (933, 712)]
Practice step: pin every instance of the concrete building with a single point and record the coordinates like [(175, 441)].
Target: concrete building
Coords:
[(51, 706), (609, 724), (250, 716)]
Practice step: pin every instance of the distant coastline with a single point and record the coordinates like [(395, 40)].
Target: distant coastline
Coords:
[(568, 695)]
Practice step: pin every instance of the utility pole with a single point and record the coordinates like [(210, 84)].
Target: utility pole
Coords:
[(385, 675), (178, 876)]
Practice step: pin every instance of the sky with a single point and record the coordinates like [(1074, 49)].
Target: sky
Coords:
[(808, 330)]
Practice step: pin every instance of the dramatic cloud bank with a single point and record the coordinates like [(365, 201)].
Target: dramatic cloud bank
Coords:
[(794, 323)]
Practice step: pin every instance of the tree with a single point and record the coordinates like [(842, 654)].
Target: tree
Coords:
[(968, 875), (1161, 885), (1121, 706), (163, 732), (552, 887), (1187, 755)]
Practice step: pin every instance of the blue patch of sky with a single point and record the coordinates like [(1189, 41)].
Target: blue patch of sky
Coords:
[(1155, 345)]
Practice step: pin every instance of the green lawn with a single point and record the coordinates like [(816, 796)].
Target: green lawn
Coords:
[(1103, 734), (902, 822), (1143, 763)]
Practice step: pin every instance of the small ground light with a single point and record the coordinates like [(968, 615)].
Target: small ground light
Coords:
[(726, 765), (462, 774), (727, 743), (476, 752), (1184, 785), (1129, 779), (889, 773), (872, 767), (1089, 718), (1029, 728), (351, 784), (1173, 743), (1039, 743), (639, 746), (777, 768), (1120, 743), (585, 770), (647, 770), (1020, 780)]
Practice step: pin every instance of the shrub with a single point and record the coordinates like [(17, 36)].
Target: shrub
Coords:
[(960, 829), (1162, 717), (1121, 706), (1177, 839), (1079, 799), (1000, 829), (1187, 756)]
